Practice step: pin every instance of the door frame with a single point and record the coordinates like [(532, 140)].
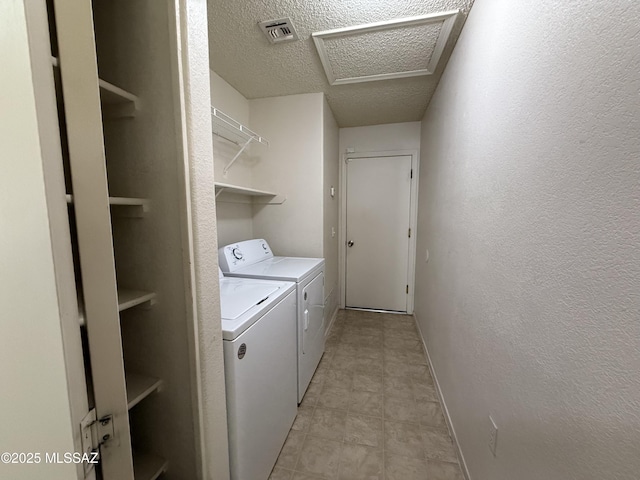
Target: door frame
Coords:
[(413, 220)]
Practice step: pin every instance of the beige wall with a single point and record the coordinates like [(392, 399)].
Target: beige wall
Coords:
[(203, 234), (35, 408), (235, 220), (292, 166), (380, 138), (530, 210), (330, 210)]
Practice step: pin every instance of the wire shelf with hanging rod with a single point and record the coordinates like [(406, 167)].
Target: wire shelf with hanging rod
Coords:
[(226, 127)]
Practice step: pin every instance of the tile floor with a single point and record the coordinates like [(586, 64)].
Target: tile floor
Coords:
[(371, 411)]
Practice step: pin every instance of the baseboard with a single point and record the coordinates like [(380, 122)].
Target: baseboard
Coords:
[(334, 315), (447, 417)]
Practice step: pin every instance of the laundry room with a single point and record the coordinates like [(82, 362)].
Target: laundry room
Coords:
[(339, 240)]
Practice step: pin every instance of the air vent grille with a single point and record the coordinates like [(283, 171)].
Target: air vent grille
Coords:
[(279, 31)]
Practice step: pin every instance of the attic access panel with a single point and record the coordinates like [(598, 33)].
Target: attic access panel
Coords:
[(406, 47)]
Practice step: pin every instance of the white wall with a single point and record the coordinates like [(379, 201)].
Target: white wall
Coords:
[(292, 166), (234, 218), (530, 210), (35, 408), (330, 210), (380, 138), (203, 234)]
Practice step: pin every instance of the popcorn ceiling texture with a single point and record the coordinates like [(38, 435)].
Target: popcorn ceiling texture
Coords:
[(241, 55), (376, 52), (530, 209)]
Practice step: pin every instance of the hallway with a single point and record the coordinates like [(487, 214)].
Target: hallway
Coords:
[(371, 411)]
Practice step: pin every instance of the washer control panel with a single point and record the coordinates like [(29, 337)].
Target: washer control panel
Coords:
[(242, 254)]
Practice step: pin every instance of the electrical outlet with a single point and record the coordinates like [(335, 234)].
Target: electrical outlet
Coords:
[(493, 435)]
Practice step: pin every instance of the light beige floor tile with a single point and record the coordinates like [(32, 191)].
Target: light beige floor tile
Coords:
[(366, 351), (320, 456), (303, 418), (338, 379), (305, 476), (438, 445), (431, 414), (401, 408), (366, 403), (403, 439), (290, 451), (417, 371), (280, 474), (336, 398), (398, 467), (364, 365), (443, 471), (425, 393), (396, 368), (398, 386), (358, 462), (364, 430), (401, 344), (312, 394), (327, 423), (367, 382)]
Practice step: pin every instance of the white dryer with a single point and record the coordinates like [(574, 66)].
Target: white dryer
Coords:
[(254, 259), (259, 340)]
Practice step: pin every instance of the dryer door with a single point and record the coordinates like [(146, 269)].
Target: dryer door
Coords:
[(312, 313), (310, 330)]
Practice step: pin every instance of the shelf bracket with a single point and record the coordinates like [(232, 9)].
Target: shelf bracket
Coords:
[(242, 149)]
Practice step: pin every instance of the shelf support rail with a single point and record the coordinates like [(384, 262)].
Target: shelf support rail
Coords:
[(237, 155)]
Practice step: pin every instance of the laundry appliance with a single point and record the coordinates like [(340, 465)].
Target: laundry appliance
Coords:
[(254, 259), (259, 342)]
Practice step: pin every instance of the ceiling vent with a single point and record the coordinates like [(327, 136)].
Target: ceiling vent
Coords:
[(279, 31)]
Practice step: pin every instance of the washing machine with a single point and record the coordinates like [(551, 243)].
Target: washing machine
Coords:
[(259, 340), (254, 259)]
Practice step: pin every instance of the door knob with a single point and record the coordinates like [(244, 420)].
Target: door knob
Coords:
[(350, 243)]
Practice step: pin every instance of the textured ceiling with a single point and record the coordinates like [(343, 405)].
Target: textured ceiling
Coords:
[(241, 54)]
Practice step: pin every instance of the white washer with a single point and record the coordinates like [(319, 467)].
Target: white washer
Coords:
[(259, 339), (254, 259)]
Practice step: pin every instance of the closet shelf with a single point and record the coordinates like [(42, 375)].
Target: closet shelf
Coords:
[(116, 102), (257, 197), (226, 127), (140, 387), (140, 205), (147, 466), (126, 299), (132, 298)]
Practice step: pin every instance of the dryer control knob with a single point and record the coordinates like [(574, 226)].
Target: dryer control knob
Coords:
[(237, 253)]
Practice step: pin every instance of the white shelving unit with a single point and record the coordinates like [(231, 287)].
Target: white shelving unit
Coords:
[(140, 387), (226, 127), (148, 467), (256, 197), (116, 102), (126, 299), (132, 298), (140, 206)]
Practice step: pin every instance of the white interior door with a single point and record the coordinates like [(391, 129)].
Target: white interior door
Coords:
[(378, 205)]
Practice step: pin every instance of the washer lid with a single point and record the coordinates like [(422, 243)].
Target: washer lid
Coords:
[(237, 298), (281, 268), (244, 301)]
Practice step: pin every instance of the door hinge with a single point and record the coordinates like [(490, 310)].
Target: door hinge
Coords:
[(95, 433), (412, 173), (409, 233), (407, 289)]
